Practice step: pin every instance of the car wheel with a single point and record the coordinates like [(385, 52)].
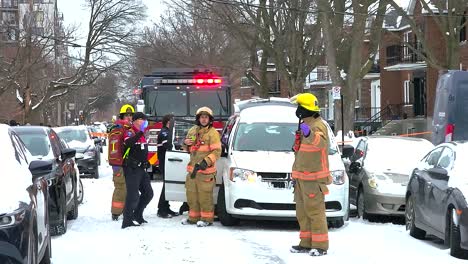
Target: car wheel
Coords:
[(73, 214), (410, 220), (61, 228), (361, 210), (337, 223), (32, 248), (455, 237), (80, 192), (96, 172), (47, 254), (225, 218)]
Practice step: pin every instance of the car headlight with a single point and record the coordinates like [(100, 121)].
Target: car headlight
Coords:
[(10, 219), (243, 175), (89, 154), (338, 177), (374, 179)]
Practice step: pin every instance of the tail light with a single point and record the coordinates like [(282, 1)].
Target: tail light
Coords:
[(449, 130)]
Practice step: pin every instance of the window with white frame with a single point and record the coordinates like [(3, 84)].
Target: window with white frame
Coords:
[(406, 92), (406, 50)]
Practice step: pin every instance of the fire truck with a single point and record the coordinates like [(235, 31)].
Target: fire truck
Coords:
[(180, 92)]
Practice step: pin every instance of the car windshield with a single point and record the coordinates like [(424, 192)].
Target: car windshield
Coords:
[(72, 135), (268, 137), (37, 144)]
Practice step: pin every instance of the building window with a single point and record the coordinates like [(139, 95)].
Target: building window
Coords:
[(406, 50), (11, 34), (39, 17), (463, 29), (406, 92), (323, 74), (9, 3), (245, 83), (9, 18)]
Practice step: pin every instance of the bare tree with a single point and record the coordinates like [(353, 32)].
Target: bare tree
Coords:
[(111, 32), (346, 24), (450, 18)]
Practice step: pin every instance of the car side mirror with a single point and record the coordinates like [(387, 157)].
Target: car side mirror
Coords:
[(439, 173), (347, 151), (40, 168), (355, 167), (97, 141), (177, 146), (68, 153)]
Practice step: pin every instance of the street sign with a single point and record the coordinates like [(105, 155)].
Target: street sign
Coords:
[(336, 91), (71, 106)]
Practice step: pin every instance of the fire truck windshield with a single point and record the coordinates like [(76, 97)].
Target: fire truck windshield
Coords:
[(185, 103), (216, 100)]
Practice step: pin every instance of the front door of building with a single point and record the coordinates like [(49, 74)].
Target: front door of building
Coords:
[(419, 96)]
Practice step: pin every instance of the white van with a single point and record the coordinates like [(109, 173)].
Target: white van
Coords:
[(254, 173)]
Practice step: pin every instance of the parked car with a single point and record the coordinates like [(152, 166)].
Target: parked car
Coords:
[(87, 155), (101, 129), (44, 144), (254, 171), (24, 217), (94, 133), (437, 197), (450, 120), (379, 173)]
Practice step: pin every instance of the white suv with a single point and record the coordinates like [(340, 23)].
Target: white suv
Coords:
[(254, 173)]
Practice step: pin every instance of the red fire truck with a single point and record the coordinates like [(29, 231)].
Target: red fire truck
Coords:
[(181, 91)]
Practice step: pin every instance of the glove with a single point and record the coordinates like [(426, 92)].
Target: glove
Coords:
[(144, 125), (196, 168), (203, 165), (305, 129)]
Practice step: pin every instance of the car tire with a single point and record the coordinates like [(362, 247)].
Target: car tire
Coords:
[(224, 217), (337, 223), (47, 255), (80, 192), (73, 214), (455, 238), (410, 220), (96, 172), (61, 228), (32, 247), (360, 204)]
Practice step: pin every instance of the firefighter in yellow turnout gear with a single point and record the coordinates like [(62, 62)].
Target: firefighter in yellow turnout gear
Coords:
[(311, 174), (204, 145), (120, 192)]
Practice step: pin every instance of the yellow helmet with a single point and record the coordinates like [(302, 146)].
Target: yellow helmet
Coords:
[(126, 108), (306, 100), (204, 110)]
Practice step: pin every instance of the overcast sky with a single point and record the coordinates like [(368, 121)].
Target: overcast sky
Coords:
[(74, 12)]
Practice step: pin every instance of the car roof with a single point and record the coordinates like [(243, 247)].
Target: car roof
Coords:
[(31, 129), (269, 114), (254, 102), (398, 138)]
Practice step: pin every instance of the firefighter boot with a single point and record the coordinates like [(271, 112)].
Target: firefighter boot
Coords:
[(203, 223), (316, 252), (164, 214), (187, 222), (183, 208), (299, 249), (172, 213), (115, 217)]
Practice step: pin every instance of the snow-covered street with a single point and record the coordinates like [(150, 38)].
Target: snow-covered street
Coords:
[(95, 238)]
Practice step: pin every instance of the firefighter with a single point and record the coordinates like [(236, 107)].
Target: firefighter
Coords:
[(118, 197), (164, 210), (311, 174), (205, 148), (136, 179)]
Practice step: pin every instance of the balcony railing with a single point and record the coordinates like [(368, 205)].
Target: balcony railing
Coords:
[(405, 53)]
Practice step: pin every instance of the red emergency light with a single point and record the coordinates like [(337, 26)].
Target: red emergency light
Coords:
[(208, 81)]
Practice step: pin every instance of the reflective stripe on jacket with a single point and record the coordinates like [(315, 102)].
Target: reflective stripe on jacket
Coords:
[(311, 162)]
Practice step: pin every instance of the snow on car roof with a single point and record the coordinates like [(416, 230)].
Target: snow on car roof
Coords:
[(15, 177), (269, 114)]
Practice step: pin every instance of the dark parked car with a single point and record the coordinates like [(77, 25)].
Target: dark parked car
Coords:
[(44, 144), (24, 217), (437, 197), (379, 173), (87, 154), (450, 120)]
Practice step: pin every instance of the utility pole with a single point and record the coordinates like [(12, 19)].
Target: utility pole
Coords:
[(28, 22)]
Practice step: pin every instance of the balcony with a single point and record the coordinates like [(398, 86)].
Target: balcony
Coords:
[(9, 5), (405, 54)]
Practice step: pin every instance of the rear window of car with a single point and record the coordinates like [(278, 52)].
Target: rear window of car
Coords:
[(37, 144)]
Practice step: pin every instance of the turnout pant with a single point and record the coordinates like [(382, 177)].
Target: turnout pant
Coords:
[(199, 193), (310, 212), (137, 181), (120, 191)]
